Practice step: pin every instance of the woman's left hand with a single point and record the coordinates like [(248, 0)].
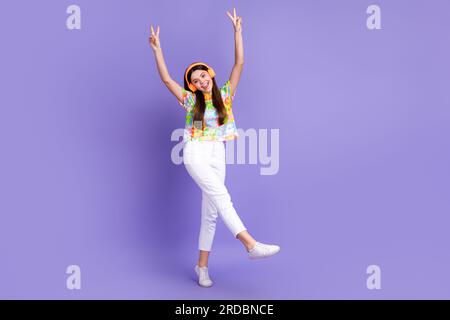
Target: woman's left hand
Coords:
[(237, 21)]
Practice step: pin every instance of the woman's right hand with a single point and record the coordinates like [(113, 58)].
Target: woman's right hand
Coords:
[(154, 39)]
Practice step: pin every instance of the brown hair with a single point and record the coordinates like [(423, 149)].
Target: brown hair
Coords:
[(200, 106)]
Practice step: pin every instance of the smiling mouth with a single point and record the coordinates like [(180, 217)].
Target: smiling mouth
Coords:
[(206, 86)]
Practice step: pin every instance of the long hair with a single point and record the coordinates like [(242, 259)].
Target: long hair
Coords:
[(200, 106)]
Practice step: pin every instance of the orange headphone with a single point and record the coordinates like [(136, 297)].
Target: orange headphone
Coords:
[(210, 71)]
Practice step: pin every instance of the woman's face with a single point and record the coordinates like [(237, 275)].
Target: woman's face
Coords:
[(202, 80)]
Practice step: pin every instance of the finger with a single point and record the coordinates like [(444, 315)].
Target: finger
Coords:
[(153, 31), (234, 12), (231, 17), (157, 32)]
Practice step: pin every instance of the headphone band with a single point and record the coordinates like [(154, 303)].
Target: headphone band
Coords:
[(191, 66)]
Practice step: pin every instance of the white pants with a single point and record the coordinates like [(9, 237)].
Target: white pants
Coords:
[(205, 163)]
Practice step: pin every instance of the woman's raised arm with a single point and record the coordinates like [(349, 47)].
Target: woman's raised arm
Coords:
[(172, 85), (239, 51)]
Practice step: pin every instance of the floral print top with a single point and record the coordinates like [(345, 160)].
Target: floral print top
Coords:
[(212, 130)]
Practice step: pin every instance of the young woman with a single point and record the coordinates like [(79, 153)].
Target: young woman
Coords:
[(209, 123)]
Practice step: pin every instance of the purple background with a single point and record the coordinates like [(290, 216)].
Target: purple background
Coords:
[(87, 178)]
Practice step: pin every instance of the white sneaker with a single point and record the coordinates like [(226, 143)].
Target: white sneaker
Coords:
[(203, 276), (262, 250)]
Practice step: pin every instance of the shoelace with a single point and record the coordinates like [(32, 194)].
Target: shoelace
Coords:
[(203, 274), (256, 246), (265, 249)]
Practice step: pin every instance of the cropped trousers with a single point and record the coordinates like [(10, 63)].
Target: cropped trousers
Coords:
[(205, 163)]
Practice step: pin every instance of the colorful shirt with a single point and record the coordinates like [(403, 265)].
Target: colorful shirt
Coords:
[(212, 130)]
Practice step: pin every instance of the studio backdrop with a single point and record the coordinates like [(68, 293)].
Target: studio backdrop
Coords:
[(342, 159)]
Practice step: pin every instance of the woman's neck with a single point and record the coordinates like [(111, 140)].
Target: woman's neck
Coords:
[(207, 95)]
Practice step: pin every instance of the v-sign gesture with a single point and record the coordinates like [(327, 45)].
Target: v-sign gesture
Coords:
[(154, 39), (236, 20)]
